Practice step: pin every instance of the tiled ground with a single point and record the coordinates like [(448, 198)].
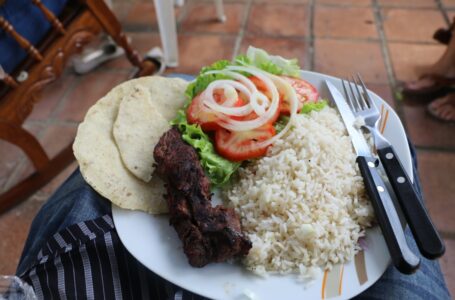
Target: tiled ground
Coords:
[(385, 40)]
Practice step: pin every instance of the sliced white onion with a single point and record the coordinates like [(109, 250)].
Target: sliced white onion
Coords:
[(264, 107), (263, 76), (258, 102), (237, 76), (231, 95), (291, 96), (264, 115), (226, 107)]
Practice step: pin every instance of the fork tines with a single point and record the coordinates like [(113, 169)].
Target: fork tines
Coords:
[(356, 99)]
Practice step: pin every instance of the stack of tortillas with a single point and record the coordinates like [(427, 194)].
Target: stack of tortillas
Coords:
[(115, 142)]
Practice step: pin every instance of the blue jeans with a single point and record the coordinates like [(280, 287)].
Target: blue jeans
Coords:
[(75, 201)]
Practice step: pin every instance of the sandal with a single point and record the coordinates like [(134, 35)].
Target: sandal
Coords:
[(444, 35), (446, 116), (421, 95)]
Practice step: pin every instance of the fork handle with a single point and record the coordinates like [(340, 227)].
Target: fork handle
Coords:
[(425, 234), (402, 257)]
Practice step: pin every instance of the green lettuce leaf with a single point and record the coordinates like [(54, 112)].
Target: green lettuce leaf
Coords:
[(317, 106), (217, 168), (256, 57), (274, 64), (281, 123), (306, 109), (203, 80)]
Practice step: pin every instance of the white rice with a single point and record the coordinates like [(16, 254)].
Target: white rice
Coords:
[(303, 205)]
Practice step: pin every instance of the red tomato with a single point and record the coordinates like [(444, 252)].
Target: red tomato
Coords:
[(306, 92), (263, 88), (260, 85), (242, 145), (208, 120), (205, 118), (196, 115)]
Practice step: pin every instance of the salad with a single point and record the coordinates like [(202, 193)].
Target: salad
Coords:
[(235, 110)]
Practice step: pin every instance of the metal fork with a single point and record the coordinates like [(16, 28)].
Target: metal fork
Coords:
[(428, 240)]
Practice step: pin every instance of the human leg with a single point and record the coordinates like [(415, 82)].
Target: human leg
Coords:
[(427, 283), (75, 201)]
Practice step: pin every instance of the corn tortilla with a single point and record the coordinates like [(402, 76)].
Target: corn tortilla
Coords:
[(137, 130), (99, 158)]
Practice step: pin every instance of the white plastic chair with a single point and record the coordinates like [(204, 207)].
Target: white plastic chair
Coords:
[(168, 27)]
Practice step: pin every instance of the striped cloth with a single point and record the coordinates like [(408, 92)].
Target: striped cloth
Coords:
[(88, 261)]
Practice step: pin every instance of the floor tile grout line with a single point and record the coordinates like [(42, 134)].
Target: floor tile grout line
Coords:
[(202, 33), (278, 3), (342, 5), (381, 6), (124, 12), (443, 10), (64, 123), (293, 37), (19, 169), (15, 174), (148, 28), (243, 29), (310, 57), (65, 97), (77, 80), (421, 43), (45, 124), (404, 7), (225, 1), (274, 36), (387, 58), (447, 235), (349, 39), (435, 149), (182, 16)]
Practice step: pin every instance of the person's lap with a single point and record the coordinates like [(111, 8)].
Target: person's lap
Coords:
[(75, 201)]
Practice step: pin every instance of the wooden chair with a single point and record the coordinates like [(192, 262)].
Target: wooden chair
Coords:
[(79, 23)]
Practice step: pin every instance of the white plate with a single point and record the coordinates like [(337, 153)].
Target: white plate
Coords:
[(155, 244)]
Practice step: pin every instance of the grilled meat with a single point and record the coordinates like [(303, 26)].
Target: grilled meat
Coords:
[(209, 234)]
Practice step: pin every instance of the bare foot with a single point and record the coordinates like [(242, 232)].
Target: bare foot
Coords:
[(443, 108), (445, 65)]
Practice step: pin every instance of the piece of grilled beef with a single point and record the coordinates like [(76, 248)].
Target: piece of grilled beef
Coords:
[(209, 234)]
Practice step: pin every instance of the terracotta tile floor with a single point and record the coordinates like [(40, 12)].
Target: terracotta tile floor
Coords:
[(386, 40)]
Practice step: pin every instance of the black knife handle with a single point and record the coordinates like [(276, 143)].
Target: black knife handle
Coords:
[(402, 257), (425, 234)]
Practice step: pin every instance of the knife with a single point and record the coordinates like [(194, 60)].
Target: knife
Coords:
[(386, 215)]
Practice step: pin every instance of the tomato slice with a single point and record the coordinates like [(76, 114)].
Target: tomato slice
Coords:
[(208, 120), (195, 113), (306, 92), (260, 85), (242, 145)]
